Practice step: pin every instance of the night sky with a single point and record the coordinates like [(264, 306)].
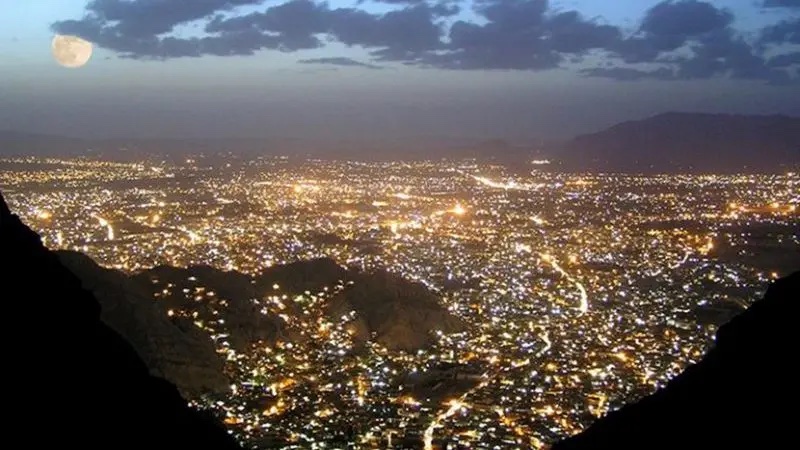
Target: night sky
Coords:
[(514, 69)]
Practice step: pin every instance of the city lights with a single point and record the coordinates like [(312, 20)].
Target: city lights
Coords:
[(580, 292)]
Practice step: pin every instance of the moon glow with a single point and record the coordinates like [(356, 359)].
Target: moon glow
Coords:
[(71, 51)]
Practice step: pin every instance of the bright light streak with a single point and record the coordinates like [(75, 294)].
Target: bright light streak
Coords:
[(455, 406), (545, 337), (583, 308), (602, 405), (511, 185), (104, 223)]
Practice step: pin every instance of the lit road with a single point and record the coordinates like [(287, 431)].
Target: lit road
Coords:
[(546, 338), (104, 223), (683, 261), (454, 406), (583, 308)]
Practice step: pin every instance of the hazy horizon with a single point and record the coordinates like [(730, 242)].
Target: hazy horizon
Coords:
[(512, 69)]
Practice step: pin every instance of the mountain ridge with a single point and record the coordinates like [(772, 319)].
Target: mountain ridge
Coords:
[(688, 142)]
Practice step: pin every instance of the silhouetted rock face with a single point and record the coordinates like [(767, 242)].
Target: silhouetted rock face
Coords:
[(743, 394), (396, 313), (689, 142), (72, 380), (184, 356)]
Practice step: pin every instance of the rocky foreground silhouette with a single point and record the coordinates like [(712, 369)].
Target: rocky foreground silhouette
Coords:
[(175, 350), (71, 381), (742, 395)]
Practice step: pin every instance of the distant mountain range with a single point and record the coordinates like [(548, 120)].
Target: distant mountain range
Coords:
[(670, 142), (682, 142)]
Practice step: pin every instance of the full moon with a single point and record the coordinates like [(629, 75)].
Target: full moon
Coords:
[(71, 51)]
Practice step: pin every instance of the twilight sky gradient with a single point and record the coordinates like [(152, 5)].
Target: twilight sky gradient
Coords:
[(515, 69)]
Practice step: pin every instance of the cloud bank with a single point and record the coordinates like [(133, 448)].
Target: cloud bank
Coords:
[(675, 40)]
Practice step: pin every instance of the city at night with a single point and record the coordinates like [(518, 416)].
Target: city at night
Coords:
[(557, 296), (398, 224)]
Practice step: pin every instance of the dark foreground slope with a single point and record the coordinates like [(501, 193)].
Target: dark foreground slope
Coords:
[(685, 142), (183, 355), (70, 379), (743, 394)]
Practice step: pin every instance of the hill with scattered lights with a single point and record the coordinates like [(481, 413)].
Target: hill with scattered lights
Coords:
[(173, 315), (397, 313), (381, 306)]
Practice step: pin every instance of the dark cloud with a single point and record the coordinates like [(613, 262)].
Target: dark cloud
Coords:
[(297, 17), (339, 61), (724, 53), (570, 33), (520, 35), (781, 3), (135, 29), (684, 19), (401, 35), (443, 8), (397, 35), (397, 2), (153, 17), (784, 32), (691, 40), (785, 60), (446, 8), (669, 26), (686, 39)]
